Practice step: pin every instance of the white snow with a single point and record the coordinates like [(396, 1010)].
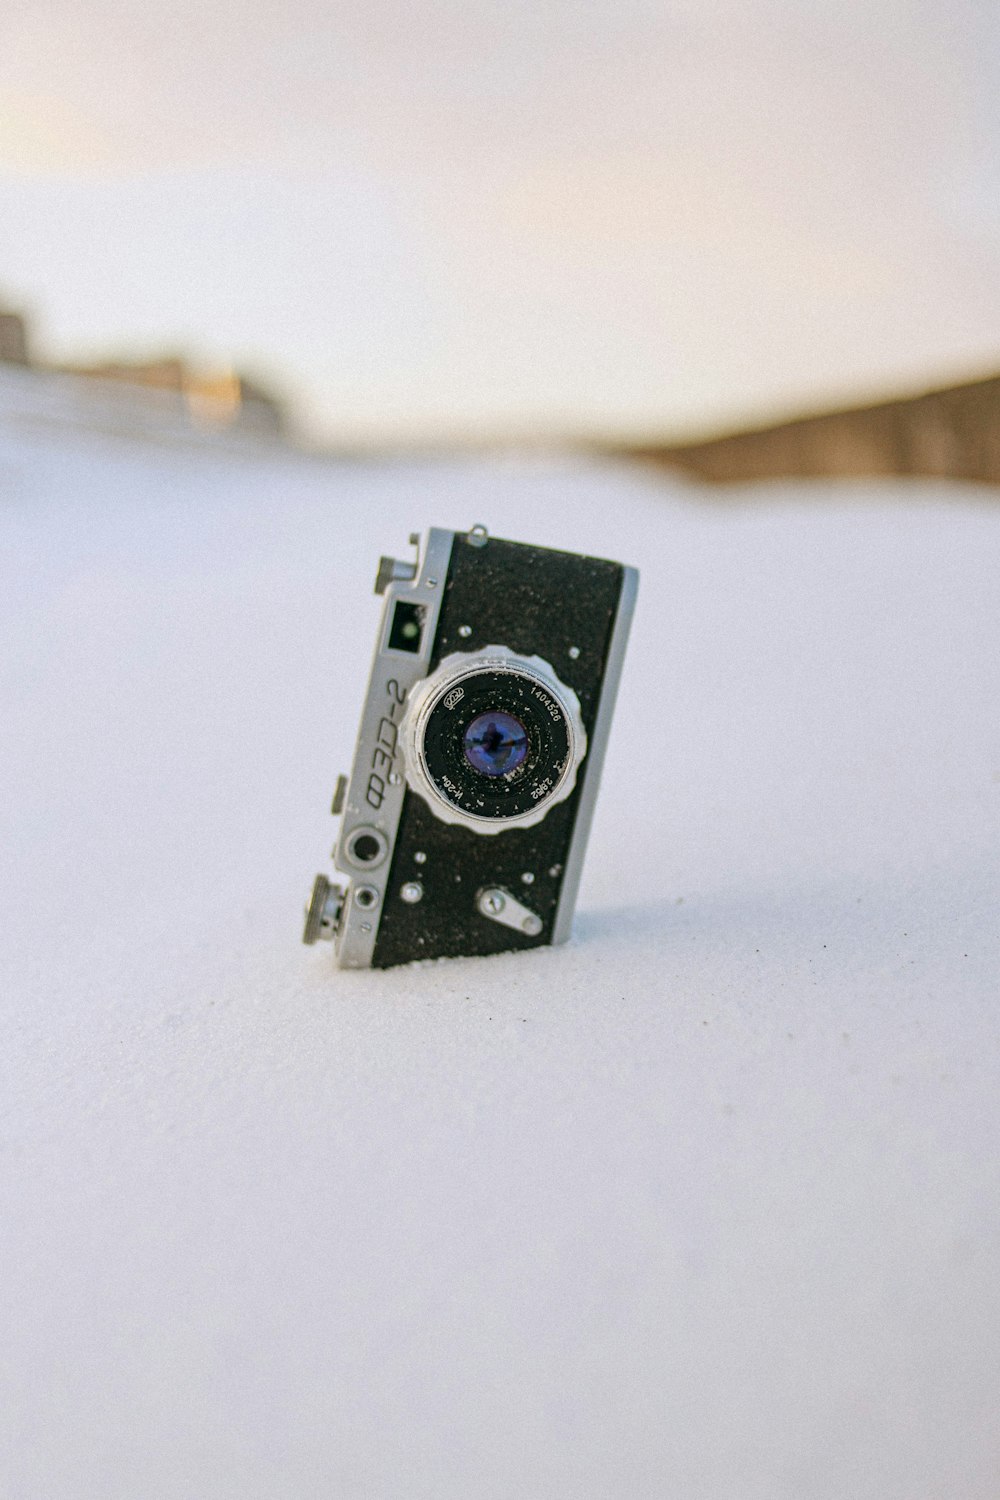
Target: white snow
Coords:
[(703, 1205)]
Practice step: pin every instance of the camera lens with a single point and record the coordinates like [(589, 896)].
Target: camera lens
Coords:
[(492, 740), (495, 743)]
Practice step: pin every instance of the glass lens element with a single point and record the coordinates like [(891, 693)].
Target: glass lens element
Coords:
[(495, 743)]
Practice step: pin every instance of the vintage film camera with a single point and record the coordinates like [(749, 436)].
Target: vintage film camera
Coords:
[(465, 818)]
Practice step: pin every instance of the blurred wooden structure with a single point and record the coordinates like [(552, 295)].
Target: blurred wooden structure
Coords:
[(952, 433), (218, 399), (214, 399), (13, 338)]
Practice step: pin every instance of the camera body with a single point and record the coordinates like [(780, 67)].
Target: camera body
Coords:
[(465, 818)]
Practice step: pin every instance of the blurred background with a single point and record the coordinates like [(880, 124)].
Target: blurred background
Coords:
[(626, 223), (707, 1203)]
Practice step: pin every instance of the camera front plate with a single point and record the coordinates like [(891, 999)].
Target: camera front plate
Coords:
[(424, 887)]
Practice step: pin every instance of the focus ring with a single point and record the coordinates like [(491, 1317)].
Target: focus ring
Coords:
[(492, 740)]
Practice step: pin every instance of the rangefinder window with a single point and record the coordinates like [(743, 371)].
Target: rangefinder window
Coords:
[(406, 627)]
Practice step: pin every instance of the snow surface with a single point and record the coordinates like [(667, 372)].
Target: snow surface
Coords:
[(703, 1205)]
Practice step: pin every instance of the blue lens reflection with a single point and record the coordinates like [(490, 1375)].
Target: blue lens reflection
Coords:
[(495, 743)]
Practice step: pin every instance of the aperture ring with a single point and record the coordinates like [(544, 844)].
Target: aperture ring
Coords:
[(465, 687)]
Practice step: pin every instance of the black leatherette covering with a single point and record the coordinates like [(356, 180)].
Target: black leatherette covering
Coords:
[(537, 602)]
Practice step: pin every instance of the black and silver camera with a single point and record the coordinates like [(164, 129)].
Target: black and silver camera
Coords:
[(465, 818)]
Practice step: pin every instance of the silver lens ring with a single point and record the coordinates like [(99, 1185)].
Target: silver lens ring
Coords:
[(492, 740)]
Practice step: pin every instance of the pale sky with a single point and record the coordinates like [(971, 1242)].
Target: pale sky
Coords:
[(610, 217)]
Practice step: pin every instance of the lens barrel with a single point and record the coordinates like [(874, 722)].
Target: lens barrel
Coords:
[(492, 740)]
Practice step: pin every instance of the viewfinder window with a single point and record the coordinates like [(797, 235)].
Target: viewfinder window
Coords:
[(407, 627)]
